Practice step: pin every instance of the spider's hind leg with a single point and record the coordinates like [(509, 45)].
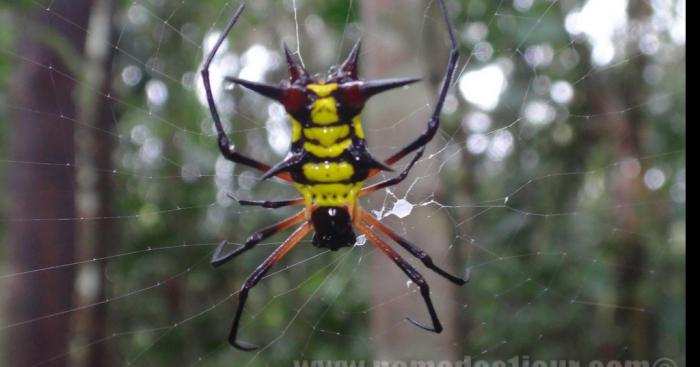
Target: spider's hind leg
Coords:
[(257, 275), (219, 259), (267, 203), (413, 249), (412, 274)]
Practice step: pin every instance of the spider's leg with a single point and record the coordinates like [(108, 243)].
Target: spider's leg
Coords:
[(267, 203), (394, 180), (255, 277), (434, 123), (218, 259), (413, 249), (223, 140), (412, 273)]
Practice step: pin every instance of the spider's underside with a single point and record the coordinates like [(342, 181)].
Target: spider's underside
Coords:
[(329, 163)]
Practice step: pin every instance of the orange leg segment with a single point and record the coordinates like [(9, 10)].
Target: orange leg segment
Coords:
[(258, 274), (414, 275)]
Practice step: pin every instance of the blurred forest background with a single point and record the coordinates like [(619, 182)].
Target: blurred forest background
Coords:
[(557, 181)]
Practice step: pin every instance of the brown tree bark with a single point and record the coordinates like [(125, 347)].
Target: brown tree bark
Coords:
[(42, 191), (96, 147)]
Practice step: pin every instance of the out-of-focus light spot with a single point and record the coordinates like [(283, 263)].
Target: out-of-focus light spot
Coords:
[(678, 188), (593, 187), (603, 54), (522, 5), (156, 93), (402, 208), (190, 172), (483, 87), (630, 168), (539, 112), (151, 150), (140, 133), (246, 180), (148, 215), (483, 51), (256, 61), (132, 75), (653, 74), (475, 32), (654, 178), (210, 41), (477, 122), (223, 168), (501, 145), (678, 33), (539, 56), (278, 135), (477, 143), (562, 134), (660, 103), (223, 171), (649, 44), (223, 199), (137, 15), (313, 24), (677, 237), (451, 104), (188, 79), (87, 283), (278, 129), (276, 111), (678, 27), (561, 92), (599, 20)]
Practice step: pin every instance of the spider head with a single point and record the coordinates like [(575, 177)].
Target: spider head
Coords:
[(347, 93), (333, 227)]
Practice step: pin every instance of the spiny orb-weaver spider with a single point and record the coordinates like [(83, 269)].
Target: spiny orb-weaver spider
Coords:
[(328, 163)]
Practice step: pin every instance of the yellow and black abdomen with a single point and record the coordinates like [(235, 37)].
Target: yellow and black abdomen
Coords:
[(334, 161)]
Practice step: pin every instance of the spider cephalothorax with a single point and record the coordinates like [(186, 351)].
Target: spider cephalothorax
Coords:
[(329, 163), (342, 95)]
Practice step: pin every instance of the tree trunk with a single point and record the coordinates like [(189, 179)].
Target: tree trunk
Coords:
[(44, 192), (95, 148), (626, 132)]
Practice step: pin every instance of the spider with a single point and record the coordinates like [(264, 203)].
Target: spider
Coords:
[(329, 163)]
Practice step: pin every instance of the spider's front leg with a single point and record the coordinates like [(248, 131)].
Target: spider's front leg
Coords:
[(223, 140), (394, 180), (434, 123)]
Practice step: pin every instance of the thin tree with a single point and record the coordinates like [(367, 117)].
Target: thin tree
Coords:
[(42, 131)]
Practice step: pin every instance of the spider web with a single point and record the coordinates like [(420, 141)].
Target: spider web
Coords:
[(523, 189)]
